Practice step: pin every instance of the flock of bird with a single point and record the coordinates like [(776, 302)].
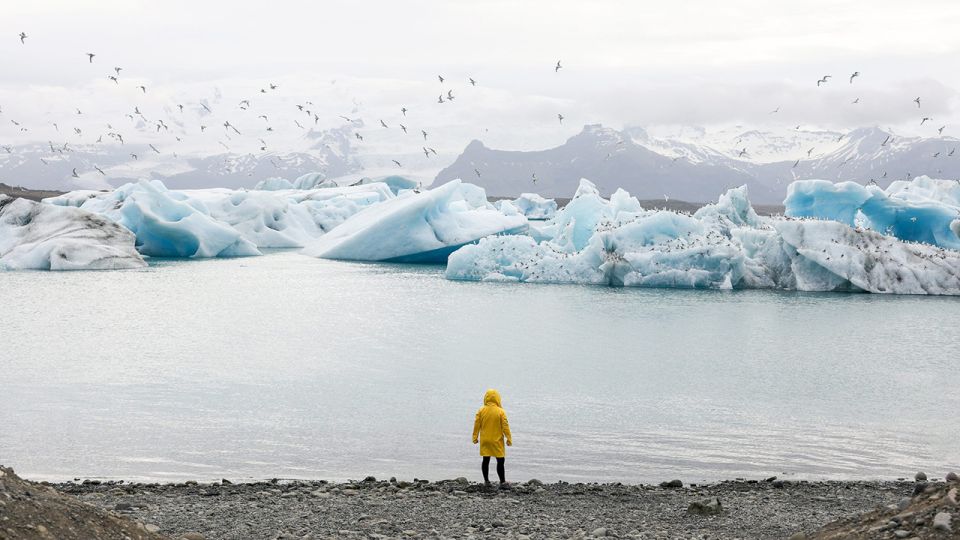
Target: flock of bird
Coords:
[(312, 118)]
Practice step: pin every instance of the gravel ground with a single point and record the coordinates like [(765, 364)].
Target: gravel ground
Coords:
[(460, 509)]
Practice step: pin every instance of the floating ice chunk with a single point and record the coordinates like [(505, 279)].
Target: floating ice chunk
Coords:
[(394, 182), (722, 246), (313, 181), (45, 237), (534, 206), (574, 225), (273, 184), (924, 210), (417, 227), (168, 223)]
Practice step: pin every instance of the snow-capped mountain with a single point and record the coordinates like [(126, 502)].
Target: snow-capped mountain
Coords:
[(700, 167)]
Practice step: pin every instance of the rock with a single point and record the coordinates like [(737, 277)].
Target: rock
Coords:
[(497, 524), (672, 484), (798, 536), (192, 536), (919, 488), (599, 532), (952, 496), (190, 483), (771, 479), (903, 504), (225, 482), (778, 484), (123, 507), (705, 508), (370, 479), (288, 494), (941, 522), (461, 480), (920, 477), (150, 527), (952, 477), (900, 533), (534, 482)]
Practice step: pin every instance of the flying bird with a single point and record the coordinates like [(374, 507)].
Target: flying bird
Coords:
[(154, 148), (90, 56), (274, 86), (403, 127), (824, 80), (23, 37), (810, 151), (885, 141), (795, 163), (440, 99), (560, 117), (397, 162), (424, 134), (854, 76), (204, 105), (925, 118), (472, 82), (854, 102), (426, 152), (403, 110), (382, 123), (940, 130), (441, 78), (742, 153), (113, 78), (144, 89), (99, 170), (358, 136), (478, 172), (118, 70), (449, 95), (75, 175), (775, 111), (917, 101), (557, 67)]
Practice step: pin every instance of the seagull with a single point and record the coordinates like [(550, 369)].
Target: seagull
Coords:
[(440, 99), (382, 123), (854, 76), (154, 148), (449, 95), (472, 82), (118, 70), (432, 150), (950, 154), (426, 152), (824, 80), (424, 134), (936, 154), (299, 125), (810, 151), (245, 104), (347, 119), (90, 56), (358, 136), (795, 164), (854, 102), (23, 36), (397, 162), (917, 101), (75, 175), (534, 177), (144, 88), (557, 68), (114, 79), (560, 117), (885, 141), (775, 111), (940, 130), (925, 118), (264, 117), (274, 86), (403, 127), (403, 110), (180, 107), (478, 172), (204, 105), (99, 170), (742, 153)]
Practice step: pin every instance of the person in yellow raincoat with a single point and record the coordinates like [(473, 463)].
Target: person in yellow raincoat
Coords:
[(489, 429)]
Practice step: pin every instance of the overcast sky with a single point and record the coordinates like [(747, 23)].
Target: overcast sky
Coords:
[(706, 63)]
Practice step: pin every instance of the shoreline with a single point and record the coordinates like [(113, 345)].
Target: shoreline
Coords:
[(459, 508)]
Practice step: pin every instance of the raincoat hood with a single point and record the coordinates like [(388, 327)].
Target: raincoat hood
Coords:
[(492, 397)]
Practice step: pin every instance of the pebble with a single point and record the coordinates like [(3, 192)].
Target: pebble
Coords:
[(599, 532), (920, 476), (707, 507), (952, 477), (941, 522), (150, 527), (900, 533)]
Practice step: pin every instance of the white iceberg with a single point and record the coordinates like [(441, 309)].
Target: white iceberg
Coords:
[(531, 205), (922, 210), (415, 227), (274, 183), (38, 236), (223, 222), (722, 246)]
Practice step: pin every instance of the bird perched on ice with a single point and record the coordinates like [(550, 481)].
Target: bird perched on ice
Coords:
[(854, 76), (90, 56)]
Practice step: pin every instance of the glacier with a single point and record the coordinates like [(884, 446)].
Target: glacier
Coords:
[(223, 222), (921, 210), (722, 246), (36, 236), (417, 227)]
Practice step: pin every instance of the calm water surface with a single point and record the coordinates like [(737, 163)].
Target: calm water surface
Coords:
[(289, 366)]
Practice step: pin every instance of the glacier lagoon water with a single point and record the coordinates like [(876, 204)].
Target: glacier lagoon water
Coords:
[(294, 367)]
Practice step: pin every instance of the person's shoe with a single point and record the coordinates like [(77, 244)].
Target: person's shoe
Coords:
[(505, 486)]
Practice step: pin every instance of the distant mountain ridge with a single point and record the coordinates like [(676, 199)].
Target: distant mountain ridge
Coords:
[(653, 168)]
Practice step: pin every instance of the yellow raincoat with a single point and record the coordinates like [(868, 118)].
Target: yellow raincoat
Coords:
[(490, 426)]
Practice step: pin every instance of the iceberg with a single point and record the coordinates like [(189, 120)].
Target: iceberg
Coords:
[(422, 227), (532, 205), (922, 210), (223, 222), (722, 246), (35, 236), (273, 184)]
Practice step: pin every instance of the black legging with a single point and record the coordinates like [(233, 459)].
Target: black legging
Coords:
[(485, 467)]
